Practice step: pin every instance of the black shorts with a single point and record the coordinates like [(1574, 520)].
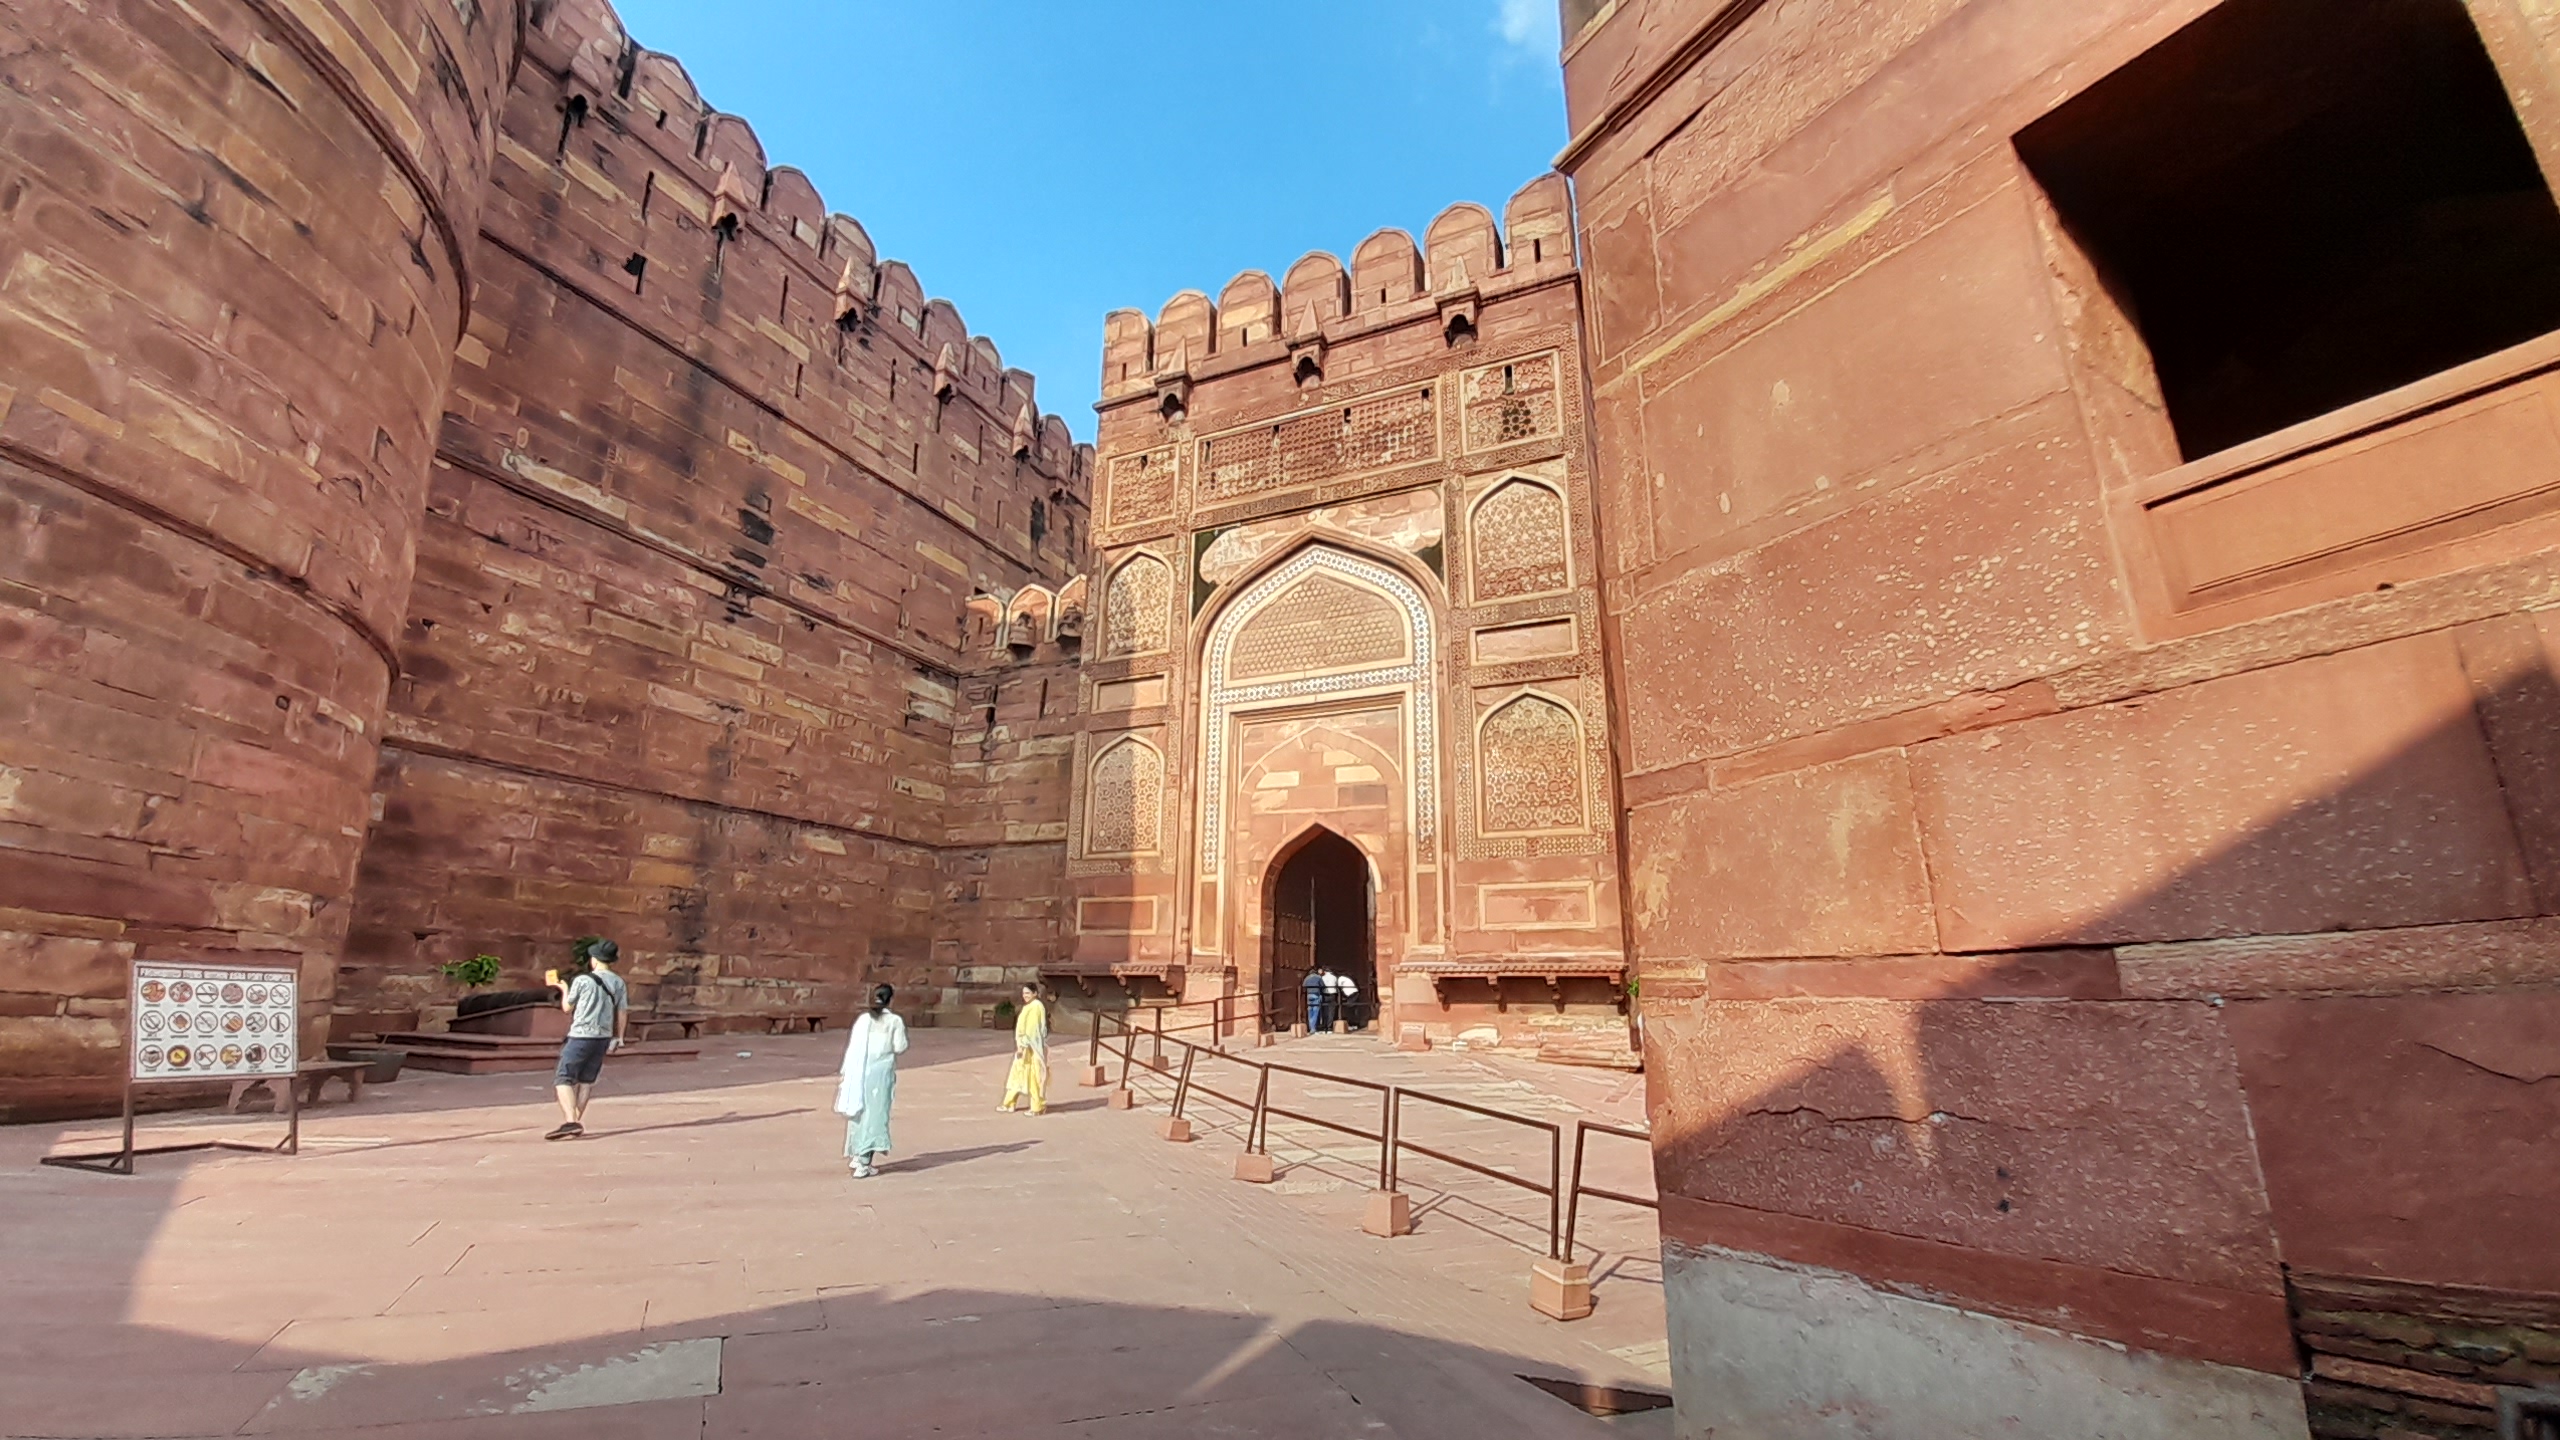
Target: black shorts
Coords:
[(582, 1060)]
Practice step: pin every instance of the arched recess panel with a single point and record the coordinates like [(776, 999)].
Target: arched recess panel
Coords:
[(1124, 800), (1529, 770), (1518, 543), (1137, 607)]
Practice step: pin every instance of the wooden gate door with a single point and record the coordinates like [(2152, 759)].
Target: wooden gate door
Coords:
[(1293, 943)]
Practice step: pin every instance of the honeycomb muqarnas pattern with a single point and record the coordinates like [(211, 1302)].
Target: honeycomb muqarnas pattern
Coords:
[(1320, 624)]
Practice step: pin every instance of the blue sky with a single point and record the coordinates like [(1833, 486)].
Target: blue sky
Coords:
[(1041, 162)]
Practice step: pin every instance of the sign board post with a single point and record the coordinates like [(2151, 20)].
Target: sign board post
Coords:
[(188, 1024)]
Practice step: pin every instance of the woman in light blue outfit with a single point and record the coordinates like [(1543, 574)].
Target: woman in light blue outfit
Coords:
[(869, 1081)]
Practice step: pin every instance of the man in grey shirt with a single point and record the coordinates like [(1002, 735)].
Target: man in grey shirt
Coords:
[(598, 1006)]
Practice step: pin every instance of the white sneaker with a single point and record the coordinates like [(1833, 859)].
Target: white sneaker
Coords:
[(865, 1172)]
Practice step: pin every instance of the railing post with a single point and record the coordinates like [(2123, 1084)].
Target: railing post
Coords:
[(1095, 1076), (1555, 1192), (1390, 1210), (1391, 1112), (1182, 1083), (1123, 1098), (1254, 1165), (1573, 1193), (1175, 1128), (1155, 1052), (1559, 1288)]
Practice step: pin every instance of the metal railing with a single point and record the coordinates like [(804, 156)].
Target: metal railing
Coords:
[(1563, 1189), (1573, 1194), (1258, 1133), (1222, 1021), (1553, 1189)]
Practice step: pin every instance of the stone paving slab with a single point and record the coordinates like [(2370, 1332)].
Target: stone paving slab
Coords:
[(431, 1269)]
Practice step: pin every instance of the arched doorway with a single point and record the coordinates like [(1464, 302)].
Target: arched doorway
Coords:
[(1323, 915)]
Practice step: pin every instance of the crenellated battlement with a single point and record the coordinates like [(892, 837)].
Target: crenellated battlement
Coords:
[(808, 313), (1390, 281)]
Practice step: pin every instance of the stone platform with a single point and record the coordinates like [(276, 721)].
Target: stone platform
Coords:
[(463, 1052), (431, 1269)]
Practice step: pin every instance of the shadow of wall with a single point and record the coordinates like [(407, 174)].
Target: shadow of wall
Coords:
[(2286, 1099)]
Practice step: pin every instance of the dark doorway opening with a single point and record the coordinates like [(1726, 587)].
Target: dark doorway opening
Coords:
[(2304, 203), (1323, 915)]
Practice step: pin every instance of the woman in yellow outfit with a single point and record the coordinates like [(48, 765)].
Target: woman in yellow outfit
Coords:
[(1030, 1074)]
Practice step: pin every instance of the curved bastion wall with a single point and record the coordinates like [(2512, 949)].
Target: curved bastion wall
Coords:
[(235, 249)]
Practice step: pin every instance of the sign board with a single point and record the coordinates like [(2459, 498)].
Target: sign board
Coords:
[(212, 1022), (188, 1024)]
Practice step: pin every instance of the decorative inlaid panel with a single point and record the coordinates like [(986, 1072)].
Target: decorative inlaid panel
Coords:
[(1511, 402), (1124, 801), (1520, 544), (1536, 640), (1138, 694), (1226, 695), (1102, 915), (1529, 768), (1319, 624), (1141, 488), (1137, 608), (1319, 445), (1536, 905)]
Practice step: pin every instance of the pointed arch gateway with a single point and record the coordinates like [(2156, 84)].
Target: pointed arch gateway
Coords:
[(1318, 718), (1320, 895)]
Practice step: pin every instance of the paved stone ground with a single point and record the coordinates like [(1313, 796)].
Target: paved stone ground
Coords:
[(1475, 1229), (703, 1266)]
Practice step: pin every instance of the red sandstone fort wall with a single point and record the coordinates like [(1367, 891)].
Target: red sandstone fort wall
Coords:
[(2020, 931), (1003, 912), (685, 662), (236, 243)]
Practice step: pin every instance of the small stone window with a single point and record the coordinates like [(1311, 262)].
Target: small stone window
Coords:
[(2300, 204)]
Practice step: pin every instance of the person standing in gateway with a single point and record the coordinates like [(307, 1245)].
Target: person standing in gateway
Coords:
[(599, 1007)]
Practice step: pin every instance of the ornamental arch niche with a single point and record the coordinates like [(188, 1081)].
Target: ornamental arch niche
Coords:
[(1529, 768), (1137, 607), (1319, 708), (1124, 800), (1518, 542)]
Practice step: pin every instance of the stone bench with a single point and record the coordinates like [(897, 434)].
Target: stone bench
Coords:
[(686, 1023), (312, 1078)]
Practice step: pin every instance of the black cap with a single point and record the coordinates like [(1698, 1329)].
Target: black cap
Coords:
[(606, 951)]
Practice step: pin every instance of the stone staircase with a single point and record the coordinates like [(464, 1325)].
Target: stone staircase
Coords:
[(464, 1053)]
